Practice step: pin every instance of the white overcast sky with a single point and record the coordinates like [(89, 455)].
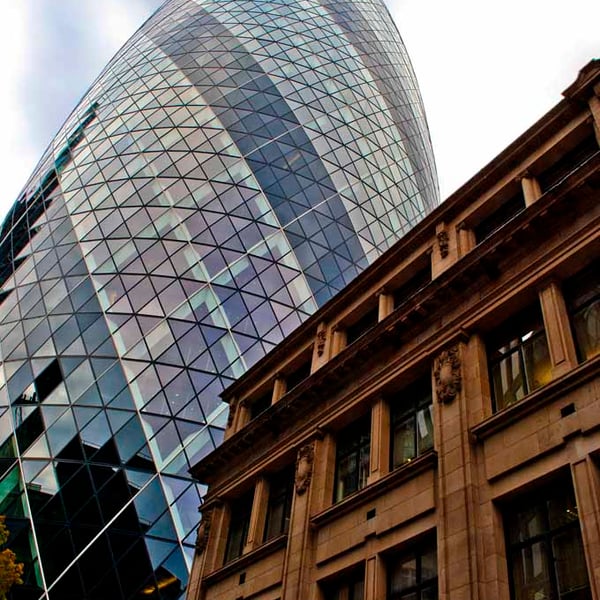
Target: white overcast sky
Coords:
[(487, 70)]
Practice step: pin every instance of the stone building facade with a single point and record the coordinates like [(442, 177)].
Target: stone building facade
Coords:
[(434, 430)]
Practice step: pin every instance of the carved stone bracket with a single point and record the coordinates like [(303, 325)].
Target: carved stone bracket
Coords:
[(321, 339), (304, 467), (447, 375), (443, 242), (203, 531)]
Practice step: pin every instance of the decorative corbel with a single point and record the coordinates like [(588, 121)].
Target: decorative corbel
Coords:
[(443, 242), (203, 531), (304, 468), (447, 374), (321, 339)]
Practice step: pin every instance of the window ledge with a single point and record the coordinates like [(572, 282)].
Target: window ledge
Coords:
[(390, 481), (540, 397), (245, 560)]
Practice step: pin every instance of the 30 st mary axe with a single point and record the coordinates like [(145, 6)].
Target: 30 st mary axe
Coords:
[(236, 164)]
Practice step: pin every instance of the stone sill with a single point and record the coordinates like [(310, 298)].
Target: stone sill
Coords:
[(371, 491), (245, 560), (541, 397)]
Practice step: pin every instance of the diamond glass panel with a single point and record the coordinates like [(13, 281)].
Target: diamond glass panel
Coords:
[(234, 166)]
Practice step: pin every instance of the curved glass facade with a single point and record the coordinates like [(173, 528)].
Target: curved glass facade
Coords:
[(234, 166)]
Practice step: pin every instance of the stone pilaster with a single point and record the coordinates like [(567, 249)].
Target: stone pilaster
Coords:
[(466, 240), (375, 578), (594, 104), (531, 189), (380, 440), (457, 496), (298, 558), (386, 304), (558, 330), (258, 515), (587, 493)]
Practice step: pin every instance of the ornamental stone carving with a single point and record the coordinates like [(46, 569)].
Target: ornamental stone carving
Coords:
[(443, 242), (321, 338), (203, 531), (304, 467), (447, 375)]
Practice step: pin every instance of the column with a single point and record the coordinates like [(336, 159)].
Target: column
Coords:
[(587, 492), (531, 189), (466, 240), (386, 304), (296, 568), (458, 551), (338, 341), (558, 330), (279, 388), (258, 515), (375, 579), (380, 440), (594, 104)]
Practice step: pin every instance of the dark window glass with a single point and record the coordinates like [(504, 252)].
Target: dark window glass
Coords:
[(568, 162), (351, 586), (544, 548), (413, 575), (280, 504), (417, 282), (352, 458), (582, 293), (412, 423), (29, 426), (47, 380), (504, 213), (360, 327), (261, 404), (298, 375), (518, 357), (238, 526)]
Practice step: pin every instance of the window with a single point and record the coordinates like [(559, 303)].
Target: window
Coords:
[(351, 586), (238, 526), (503, 214), (413, 575), (360, 327), (280, 504), (298, 375), (259, 405), (412, 423), (583, 301), (518, 357), (417, 282), (544, 548), (569, 161), (352, 458)]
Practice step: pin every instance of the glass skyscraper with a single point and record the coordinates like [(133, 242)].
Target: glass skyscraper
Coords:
[(236, 164)]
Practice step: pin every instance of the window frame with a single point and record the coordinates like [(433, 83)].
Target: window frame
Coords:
[(416, 552), (353, 440), (344, 585), (240, 513), (532, 502), (281, 493), (407, 405), (582, 294), (517, 336)]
